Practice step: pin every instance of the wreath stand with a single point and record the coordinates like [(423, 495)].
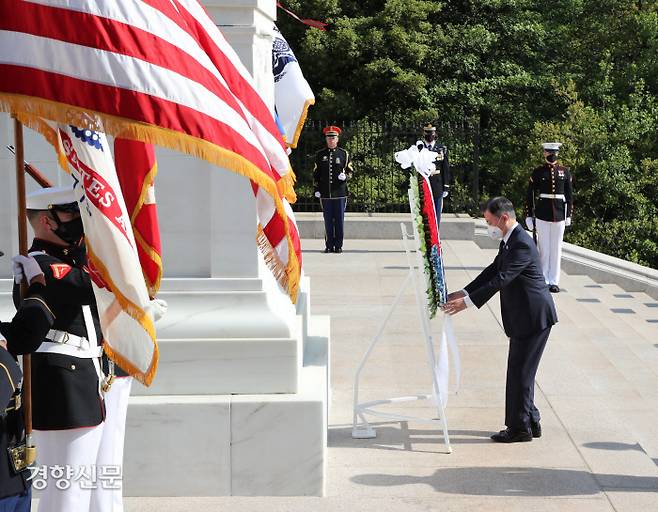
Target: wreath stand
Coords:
[(361, 428)]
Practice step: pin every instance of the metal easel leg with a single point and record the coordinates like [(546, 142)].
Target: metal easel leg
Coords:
[(366, 431)]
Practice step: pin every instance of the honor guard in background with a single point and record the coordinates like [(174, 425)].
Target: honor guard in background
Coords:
[(549, 207), (67, 401), (439, 178), (333, 168)]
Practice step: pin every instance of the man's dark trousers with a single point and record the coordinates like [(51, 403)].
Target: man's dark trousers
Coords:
[(333, 211), (522, 363)]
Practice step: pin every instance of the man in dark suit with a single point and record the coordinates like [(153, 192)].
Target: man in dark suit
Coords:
[(528, 314)]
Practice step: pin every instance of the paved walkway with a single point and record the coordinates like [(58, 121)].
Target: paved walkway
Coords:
[(597, 389)]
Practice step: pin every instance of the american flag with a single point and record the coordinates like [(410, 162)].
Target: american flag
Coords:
[(159, 71)]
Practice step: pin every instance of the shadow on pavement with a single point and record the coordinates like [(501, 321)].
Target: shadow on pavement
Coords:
[(509, 481), (399, 437), (618, 447)]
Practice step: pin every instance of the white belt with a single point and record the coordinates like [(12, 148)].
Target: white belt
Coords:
[(68, 350), (66, 338), (552, 196), (62, 342)]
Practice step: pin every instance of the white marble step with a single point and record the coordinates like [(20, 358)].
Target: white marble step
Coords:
[(616, 307), (221, 445), (598, 378), (226, 366)]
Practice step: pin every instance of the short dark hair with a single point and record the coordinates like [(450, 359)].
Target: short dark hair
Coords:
[(496, 206)]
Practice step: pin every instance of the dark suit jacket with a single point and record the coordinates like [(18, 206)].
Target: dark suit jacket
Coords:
[(525, 302)]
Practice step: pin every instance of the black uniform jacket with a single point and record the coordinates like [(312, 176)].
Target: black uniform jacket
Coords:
[(525, 302), (552, 180), (439, 182), (11, 425), (64, 388), (329, 163)]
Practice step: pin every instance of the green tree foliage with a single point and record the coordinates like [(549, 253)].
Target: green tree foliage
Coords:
[(584, 72)]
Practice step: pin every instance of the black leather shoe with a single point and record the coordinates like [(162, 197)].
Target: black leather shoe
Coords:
[(512, 436), (327, 250), (535, 428), (554, 288), (338, 250)]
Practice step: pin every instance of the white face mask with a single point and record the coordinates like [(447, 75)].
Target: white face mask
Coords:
[(494, 232)]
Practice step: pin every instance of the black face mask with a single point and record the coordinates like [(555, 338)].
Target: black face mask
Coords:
[(429, 138), (71, 231), (552, 158)]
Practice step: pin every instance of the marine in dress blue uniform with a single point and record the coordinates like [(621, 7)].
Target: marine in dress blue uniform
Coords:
[(67, 401), (549, 209)]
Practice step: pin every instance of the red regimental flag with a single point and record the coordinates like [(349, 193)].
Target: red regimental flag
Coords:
[(430, 212), (136, 169)]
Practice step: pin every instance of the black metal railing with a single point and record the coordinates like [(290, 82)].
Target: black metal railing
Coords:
[(379, 184)]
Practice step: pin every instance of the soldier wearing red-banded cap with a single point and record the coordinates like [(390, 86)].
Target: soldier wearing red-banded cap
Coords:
[(333, 168)]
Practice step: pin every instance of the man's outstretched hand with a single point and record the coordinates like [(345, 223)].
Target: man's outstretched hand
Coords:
[(455, 303)]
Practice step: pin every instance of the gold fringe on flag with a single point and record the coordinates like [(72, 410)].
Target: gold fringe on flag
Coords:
[(300, 124), (286, 275), (137, 313), (113, 125)]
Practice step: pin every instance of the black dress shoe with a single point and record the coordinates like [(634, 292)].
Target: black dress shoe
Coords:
[(327, 250), (512, 436), (535, 428), (338, 250), (554, 288)]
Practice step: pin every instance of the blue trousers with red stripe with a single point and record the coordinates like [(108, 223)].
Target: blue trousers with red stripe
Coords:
[(333, 211)]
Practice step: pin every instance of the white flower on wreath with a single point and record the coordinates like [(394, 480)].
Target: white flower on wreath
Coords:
[(423, 160)]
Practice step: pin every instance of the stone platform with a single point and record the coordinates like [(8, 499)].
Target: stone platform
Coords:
[(597, 389)]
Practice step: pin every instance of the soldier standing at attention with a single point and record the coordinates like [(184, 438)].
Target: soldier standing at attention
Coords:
[(68, 406), (551, 212), (439, 178), (333, 168)]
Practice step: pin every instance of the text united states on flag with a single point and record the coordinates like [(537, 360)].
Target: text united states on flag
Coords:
[(158, 71), (113, 262)]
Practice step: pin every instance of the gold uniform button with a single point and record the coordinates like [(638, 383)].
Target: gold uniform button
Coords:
[(72, 367)]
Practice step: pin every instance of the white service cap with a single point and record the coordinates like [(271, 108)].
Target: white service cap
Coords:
[(46, 198), (551, 146)]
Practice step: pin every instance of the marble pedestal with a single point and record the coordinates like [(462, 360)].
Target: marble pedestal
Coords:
[(239, 402), (213, 444)]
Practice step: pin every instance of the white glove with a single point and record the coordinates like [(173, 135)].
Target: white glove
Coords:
[(567, 222), (156, 309), (25, 267), (530, 223), (317, 194), (342, 176), (445, 194)]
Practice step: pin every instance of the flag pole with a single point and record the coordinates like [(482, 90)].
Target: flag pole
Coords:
[(22, 249)]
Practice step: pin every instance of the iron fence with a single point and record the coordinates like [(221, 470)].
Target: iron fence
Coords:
[(379, 184)]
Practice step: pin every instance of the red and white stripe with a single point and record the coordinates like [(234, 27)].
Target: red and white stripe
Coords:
[(162, 67)]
